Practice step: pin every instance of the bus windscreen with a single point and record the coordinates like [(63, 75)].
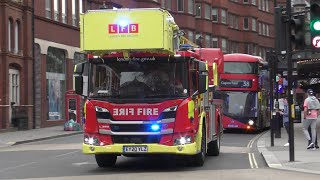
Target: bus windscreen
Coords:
[(240, 68)]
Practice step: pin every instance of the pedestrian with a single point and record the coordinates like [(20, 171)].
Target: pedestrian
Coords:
[(311, 111), (285, 115), (316, 142)]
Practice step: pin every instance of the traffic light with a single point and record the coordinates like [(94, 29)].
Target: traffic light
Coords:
[(297, 35), (280, 29), (315, 23)]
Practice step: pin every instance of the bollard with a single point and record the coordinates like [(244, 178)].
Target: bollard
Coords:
[(277, 125)]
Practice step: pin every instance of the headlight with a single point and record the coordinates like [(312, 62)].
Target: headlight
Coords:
[(183, 140), (250, 122), (100, 109), (91, 140), (171, 109)]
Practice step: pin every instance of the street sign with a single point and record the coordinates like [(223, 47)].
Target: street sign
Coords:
[(316, 42)]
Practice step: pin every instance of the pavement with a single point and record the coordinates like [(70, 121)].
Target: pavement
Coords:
[(278, 156), (26, 136)]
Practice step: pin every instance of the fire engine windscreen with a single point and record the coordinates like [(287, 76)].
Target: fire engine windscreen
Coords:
[(238, 105), (135, 78)]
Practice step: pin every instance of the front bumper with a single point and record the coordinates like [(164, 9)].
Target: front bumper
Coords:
[(187, 149)]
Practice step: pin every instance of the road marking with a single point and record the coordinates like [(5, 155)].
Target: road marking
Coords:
[(10, 143), (15, 167), (72, 152), (274, 165), (252, 161), (82, 163), (251, 142)]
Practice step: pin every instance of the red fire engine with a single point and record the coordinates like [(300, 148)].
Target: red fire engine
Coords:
[(144, 96)]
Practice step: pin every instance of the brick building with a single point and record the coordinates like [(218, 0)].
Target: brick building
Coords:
[(36, 77)]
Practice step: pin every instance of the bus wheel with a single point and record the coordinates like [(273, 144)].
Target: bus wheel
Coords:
[(198, 159), (106, 160)]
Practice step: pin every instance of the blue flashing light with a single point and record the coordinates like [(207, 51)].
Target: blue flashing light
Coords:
[(186, 46), (123, 22), (155, 127)]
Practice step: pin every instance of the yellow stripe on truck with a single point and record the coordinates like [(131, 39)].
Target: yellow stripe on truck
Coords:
[(191, 109), (188, 149)]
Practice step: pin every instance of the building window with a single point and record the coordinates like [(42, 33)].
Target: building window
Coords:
[(168, 4), (180, 5), (263, 5), (64, 11), (16, 37), (198, 10), (245, 23), (231, 17), (260, 4), (14, 86), (267, 29), (199, 39), (236, 21), (245, 1), (254, 24), (260, 28), (215, 42), (234, 47), (208, 41), (80, 6), (190, 6), (247, 48), (223, 16), (207, 11), (214, 13), (74, 17), (190, 36), (263, 53), (254, 2), (56, 82), (254, 49), (263, 29), (224, 45), (267, 5), (48, 9), (10, 25), (56, 10)]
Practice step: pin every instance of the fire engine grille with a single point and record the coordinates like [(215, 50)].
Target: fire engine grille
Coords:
[(136, 139), (131, 127)]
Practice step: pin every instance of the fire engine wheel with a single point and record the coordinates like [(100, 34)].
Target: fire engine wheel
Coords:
[(198, 159), (106, 160), (214, 146)]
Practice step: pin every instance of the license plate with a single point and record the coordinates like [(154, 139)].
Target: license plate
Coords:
[(135, 149), (233, 125)]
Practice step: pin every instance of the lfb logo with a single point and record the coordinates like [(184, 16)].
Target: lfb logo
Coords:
[(123, 29)]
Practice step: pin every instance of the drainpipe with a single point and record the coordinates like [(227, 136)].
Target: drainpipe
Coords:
[(33, 69)]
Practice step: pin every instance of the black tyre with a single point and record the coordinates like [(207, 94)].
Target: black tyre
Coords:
[(106, 160), (214, 146), (198, 159)]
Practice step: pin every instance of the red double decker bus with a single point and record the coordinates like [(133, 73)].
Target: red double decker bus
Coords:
[(244, 89)]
